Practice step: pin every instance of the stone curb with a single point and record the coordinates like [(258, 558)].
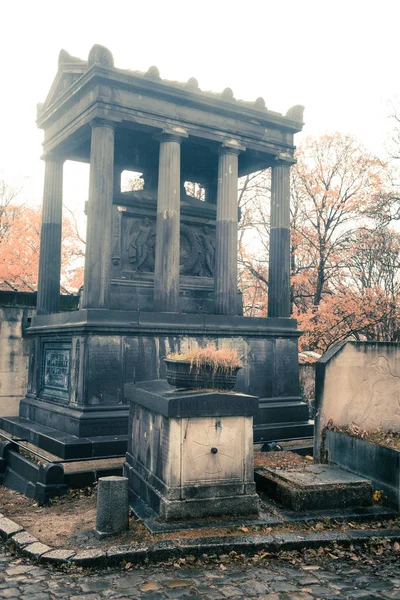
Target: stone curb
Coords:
[(29, 546)]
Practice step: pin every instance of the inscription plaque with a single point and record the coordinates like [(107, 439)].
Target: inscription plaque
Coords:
[(56, 369)]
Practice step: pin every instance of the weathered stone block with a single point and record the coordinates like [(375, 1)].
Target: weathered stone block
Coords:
[(8, 528), (36, 550), (23, 538), (89, 558), (58, 556), (116, 554)]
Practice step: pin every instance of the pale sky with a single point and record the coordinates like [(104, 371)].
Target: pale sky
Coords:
[(339, 59)]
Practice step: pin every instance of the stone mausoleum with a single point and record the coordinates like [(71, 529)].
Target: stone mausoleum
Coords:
[(161, 266)]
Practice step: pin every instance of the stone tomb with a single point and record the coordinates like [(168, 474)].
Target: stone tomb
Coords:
[(190, 453), (161, 266)]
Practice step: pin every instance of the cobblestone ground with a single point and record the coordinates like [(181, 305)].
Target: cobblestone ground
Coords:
[(274, 580)]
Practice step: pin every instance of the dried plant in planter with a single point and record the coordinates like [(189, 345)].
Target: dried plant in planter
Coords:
[(207, 367)]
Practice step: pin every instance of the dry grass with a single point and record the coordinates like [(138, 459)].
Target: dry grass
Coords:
[(226, 359)]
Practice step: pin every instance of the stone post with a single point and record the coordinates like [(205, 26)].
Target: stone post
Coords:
[(112, 506), (167, 259), (225, 278), (96, 287), (48, 295), (279, 244)]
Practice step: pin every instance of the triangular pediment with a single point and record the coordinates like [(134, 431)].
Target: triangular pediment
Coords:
[(70, 69)]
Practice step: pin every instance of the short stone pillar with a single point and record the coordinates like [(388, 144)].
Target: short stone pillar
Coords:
[(112, 506), (190, 453)]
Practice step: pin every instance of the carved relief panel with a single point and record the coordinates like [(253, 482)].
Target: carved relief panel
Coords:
[(134, 242)]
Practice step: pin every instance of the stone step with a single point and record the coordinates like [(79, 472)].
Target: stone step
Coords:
[(283, 431), (303, 447), (282, 412), (314, 487), (63, 444)]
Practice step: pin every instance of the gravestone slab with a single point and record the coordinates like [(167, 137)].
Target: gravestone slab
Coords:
[(314, 487)]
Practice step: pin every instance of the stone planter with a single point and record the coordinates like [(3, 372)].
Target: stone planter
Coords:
[(182, 374), (379, 464)]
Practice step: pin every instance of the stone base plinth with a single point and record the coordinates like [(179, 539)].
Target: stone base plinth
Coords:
[(81, 360), (82, 422), (190, 453)]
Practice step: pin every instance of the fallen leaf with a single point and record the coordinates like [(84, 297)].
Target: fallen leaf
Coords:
[(150, 586), (177, 583), (222, 567)]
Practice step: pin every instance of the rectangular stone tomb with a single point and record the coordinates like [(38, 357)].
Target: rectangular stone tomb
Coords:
[(314, 487), (190, 453)]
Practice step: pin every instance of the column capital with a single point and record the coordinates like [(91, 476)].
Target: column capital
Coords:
[(99, 122), (54, 158), (172, 134), (284, 159), (231, 147)]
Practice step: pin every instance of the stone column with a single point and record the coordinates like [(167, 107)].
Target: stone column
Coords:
[(48, 295), (96, 287), (225, 277), (167, 259), (279, 244)]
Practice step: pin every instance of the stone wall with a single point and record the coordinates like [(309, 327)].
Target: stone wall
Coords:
[(16, 310), (14, 354), (358, 383)]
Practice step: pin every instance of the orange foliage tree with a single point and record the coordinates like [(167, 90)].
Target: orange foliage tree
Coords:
[(344, 259), (20, 246)]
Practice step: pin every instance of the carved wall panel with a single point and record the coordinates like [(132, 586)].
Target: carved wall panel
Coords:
[(135, 238), (362, 387)]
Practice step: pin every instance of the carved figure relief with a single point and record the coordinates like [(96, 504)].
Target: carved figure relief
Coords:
[(197, 251), (208, 252), (197, 248), (376, 403), (139, 242)]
